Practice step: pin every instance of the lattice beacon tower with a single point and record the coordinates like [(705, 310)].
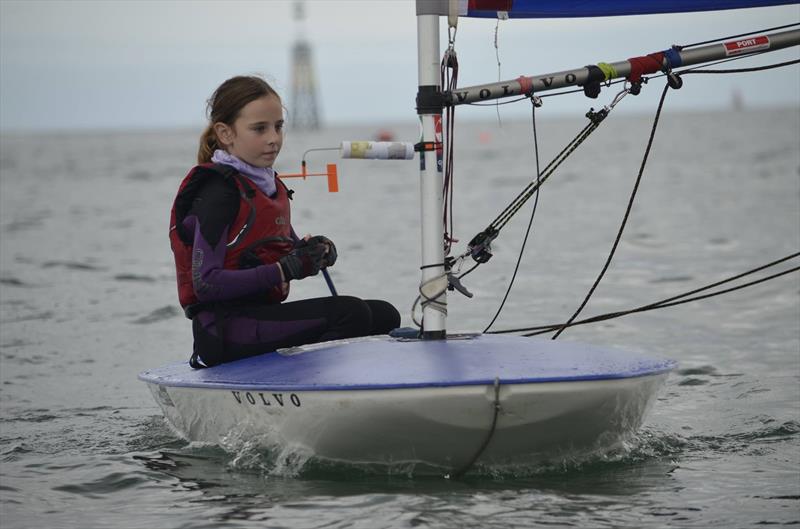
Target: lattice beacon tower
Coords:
[(303, 110)]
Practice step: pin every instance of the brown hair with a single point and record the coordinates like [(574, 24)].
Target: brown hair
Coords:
[(224, 106)]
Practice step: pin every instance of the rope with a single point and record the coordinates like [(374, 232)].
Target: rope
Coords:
[(674, 303), (497, 56), (476, 265), (737, 36), (463, 470), (498, 102), (449, 79), (624, 219), (744, 70), (639, 66), (530, 222), (480, 245), (502, 219), (432, 300), (681, 72), (671, 301)]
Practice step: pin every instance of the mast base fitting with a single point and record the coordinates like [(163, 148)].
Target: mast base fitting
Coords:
[(434, 335)]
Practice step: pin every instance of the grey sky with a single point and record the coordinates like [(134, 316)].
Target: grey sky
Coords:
[(152, 64)]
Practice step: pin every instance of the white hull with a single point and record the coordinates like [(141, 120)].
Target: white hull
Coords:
[(438, 426)]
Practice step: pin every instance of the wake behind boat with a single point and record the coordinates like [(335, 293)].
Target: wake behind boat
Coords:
[(385, 400)]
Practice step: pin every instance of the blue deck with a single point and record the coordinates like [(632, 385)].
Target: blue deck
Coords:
[(385, 363)]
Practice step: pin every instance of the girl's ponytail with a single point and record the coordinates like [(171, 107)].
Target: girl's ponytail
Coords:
[(208, 144)]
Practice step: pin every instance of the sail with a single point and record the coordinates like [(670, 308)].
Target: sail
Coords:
[(599, 8)]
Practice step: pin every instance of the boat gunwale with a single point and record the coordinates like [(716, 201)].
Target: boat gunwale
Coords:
[(667, 366)]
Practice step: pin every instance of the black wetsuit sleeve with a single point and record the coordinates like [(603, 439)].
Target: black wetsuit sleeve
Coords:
[(216, 206)]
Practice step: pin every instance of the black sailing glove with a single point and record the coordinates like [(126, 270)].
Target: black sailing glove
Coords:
[(303, 261), (330, 255)]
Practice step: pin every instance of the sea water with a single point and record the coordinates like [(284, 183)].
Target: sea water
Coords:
[(88, 300)]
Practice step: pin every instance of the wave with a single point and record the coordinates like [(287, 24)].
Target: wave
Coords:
[(157, 315), (265, 457)]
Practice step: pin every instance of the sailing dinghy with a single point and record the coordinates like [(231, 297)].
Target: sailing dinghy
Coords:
[(430, 398), (397, 400)]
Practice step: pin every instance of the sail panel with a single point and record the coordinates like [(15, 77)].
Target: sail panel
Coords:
[(600, 8)]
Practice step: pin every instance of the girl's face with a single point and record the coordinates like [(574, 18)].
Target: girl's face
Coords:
[(256, 136)]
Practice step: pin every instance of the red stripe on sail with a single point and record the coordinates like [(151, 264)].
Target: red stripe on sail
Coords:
[(490, 5)]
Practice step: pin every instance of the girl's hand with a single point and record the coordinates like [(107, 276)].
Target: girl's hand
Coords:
[(330, 248)]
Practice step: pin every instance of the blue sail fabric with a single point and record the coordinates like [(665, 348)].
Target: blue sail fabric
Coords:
[(599, 8)]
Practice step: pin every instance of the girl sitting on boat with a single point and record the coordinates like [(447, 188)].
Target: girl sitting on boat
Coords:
[(235, 250)]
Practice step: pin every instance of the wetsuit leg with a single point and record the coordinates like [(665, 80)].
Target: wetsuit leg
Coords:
[(254, 329), (384, 316)]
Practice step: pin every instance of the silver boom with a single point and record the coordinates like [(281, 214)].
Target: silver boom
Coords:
[(579, 76)]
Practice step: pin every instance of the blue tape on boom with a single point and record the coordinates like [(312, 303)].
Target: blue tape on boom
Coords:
[(673, 57)]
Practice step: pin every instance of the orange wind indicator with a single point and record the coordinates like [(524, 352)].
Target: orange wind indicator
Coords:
[(330, 171), (363, 150)]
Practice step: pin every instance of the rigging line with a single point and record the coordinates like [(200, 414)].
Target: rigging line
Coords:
[(527, 192), (495, 412), (530, 222), (719, 61), (737, 36), (551, 94), (580, 90), (744, 70), (729, 59), (527, 189), (625, 218), (497, 56), (657, 304), (714, 63), (565, 92), (514, 208), (450, 190), (686, 70), (497, 102), (433, 301), (449, 79), (469, 271), (661, 305)]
